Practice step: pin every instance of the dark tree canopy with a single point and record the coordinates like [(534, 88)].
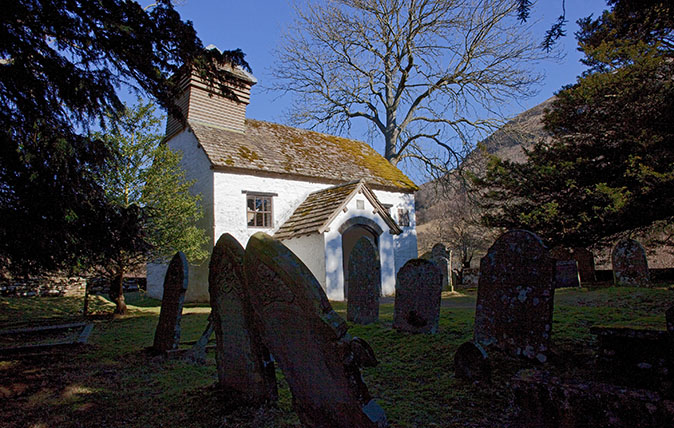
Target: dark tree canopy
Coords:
[(609, 169), (61, 62)]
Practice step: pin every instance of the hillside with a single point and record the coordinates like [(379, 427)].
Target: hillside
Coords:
[(507, 143)]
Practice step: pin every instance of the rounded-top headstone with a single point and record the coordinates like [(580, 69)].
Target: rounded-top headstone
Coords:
[(630, 267), (515, 296), (439, 250), (307, 338), (167, 335), (364, 283), (471, 363), (243, 364), (418, 297)]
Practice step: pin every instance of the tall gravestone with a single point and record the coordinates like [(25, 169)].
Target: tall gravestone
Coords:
[(244, 365), (167, 335), (515, 296), (418, 296), (630, 267), (364, 283), (308, 339)]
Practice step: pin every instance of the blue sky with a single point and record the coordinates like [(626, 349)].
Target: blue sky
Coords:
[(255, 27)]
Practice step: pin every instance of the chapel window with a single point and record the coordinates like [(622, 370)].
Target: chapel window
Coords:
[(258, 210)]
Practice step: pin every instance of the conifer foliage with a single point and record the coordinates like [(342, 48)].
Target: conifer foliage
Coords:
[(609, 168), (61, 62)]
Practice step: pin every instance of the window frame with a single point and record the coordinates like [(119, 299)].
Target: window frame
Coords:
[(404, 213), (255, 196)]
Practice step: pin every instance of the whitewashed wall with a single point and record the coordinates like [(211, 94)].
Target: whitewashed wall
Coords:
[(197, 167), (224, 205), (405, 244), (311, 250)]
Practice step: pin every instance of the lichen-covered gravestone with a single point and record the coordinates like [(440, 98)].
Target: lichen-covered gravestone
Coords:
[(243, 363), (418, 296), (364, 283), (167, 335), (566, 274), (515, 296), (309, 340), (630, 267)]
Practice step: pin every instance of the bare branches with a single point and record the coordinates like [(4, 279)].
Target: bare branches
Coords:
[(425, 73)]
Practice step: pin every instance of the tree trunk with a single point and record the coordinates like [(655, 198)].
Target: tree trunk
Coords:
[(117, 293)]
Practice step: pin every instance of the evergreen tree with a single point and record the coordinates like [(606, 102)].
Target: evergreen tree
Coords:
[(609, 169), (148, 175), (61, 62)]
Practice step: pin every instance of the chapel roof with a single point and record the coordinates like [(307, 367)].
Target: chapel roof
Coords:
[(315, 214), (279, 149)]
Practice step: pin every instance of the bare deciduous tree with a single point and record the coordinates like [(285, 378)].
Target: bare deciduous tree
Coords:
[(427, 75)]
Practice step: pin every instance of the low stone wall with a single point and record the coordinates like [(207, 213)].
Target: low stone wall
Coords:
[(546, 401), (46, 285)]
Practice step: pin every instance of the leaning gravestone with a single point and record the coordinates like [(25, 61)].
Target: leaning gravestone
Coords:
[(443, 263), (630, 267), (515, 296), (167, 335), (244, 365), (364, 283), (566, 274), (418, 296), (308, 339), (471, 363)]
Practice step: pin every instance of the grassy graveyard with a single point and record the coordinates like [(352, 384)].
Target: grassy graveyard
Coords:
[(113, 381)]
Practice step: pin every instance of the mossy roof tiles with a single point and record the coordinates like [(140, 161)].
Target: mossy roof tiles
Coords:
[(321, 207), (279, 149)]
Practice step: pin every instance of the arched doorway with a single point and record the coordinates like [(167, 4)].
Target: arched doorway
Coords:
[(353, 230)]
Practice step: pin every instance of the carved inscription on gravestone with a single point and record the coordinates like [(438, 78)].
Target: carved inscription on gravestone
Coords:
[(630, 267), (364, 283), (243, 363), (167, 335), (308, 339), (418, 296), (515, 296)]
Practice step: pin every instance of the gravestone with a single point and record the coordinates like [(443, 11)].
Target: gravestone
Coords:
[(309, 341), (583, 257), (167, 335), (243, 363), (471, 363), (443, 263), (439, 250), (566, 274), (364, 283), (585, 260), (418, 296), (630, 267), (515, 296)]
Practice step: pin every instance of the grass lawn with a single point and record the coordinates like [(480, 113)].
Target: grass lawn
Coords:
[(114, 382)]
